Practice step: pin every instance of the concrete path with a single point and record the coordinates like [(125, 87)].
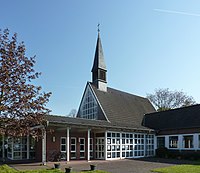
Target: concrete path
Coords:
[(117, 166)]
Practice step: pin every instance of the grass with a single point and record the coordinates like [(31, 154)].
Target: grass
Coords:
[(7, 169), (179, 169)]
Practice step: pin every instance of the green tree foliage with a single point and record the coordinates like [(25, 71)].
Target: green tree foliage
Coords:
[(22, 105), (164, 99)]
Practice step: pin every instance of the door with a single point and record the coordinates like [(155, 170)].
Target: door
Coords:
[(63, 148), (73, 148), (82, 148), (100, 148)]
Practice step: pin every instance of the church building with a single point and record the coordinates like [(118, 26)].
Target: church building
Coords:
[(110, 124)]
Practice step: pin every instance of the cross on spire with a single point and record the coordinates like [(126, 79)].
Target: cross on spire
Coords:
[(98, 27)]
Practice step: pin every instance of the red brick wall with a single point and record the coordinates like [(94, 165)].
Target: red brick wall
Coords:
[(38, 150), (55, 146)]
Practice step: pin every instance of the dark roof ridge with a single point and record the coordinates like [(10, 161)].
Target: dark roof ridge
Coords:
[(175, 109)]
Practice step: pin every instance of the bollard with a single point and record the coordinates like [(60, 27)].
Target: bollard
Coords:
[(68, 170), (93, 167)]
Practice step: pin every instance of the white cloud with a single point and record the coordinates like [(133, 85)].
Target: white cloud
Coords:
[(177, 12)]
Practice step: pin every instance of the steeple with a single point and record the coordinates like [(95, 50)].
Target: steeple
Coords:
[(99, 67)]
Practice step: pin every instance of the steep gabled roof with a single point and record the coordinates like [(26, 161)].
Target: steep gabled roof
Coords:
[(181, 118), (122, 108)]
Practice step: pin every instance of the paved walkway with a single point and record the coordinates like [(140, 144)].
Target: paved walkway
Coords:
[(117, 166)]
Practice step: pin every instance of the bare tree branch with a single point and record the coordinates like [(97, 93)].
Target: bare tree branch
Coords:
[(164, 99)]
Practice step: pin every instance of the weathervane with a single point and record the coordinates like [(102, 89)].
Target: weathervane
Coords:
[(98, 27)]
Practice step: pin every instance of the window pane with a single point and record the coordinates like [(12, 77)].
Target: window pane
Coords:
[(82, 141), (108, 134), (82, 148), (188, 141), (73, 148), (173, 142), (63, 140), (63, 147), (73, 140), (82, 154), (160, 142)]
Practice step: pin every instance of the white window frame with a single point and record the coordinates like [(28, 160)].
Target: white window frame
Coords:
[(198, 141), (190, 144), (91, 148), (150, 145), (82, 151), (100, 147), (180, 144), (89, 106), (157, 140), (73, 151), (131, 145), (113, 145), (140, 148), (61, 144), (11, 144), (170, 146)]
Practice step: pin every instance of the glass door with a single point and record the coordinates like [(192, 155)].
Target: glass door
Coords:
[(73, 148), (82, 148), (100, 148), (63, 148)]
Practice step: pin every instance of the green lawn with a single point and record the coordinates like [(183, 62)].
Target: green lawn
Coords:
[(7, 169), (179, 169)]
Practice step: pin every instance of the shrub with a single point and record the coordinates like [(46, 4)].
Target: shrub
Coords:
[(162, 152)]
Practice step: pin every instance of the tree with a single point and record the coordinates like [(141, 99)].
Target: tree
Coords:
[(164, 99), (22, 105), (72, 113)]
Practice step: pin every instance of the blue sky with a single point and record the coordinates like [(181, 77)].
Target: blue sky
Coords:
[(147, 44)]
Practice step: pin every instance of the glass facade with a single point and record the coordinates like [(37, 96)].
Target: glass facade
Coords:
[(99, 148), (21, 148), (129, 145), (149, 145), (89, 108), (113, 145)]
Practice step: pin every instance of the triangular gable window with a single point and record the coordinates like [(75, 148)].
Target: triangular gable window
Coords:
[(89, 107)]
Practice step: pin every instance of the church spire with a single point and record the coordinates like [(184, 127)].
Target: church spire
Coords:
[(99, 67)]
